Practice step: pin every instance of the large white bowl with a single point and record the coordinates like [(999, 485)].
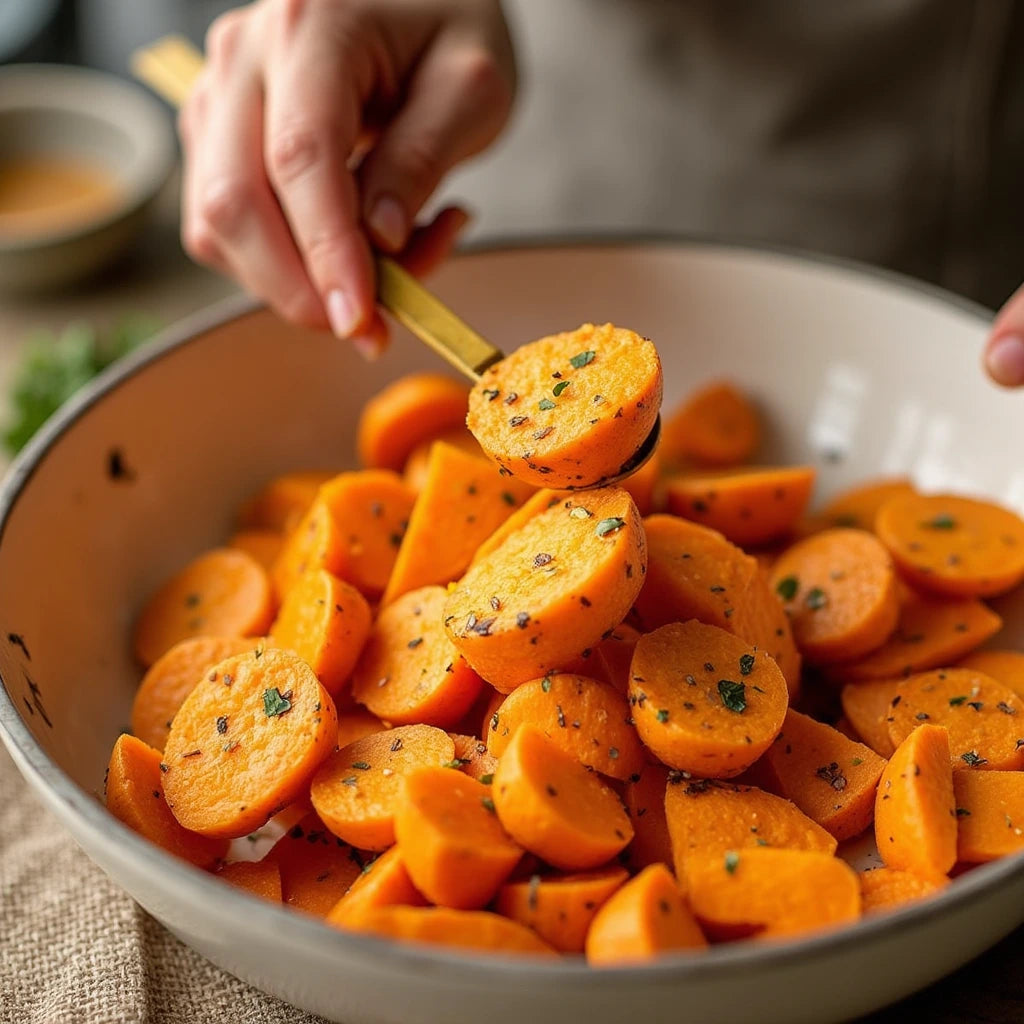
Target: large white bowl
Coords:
[(859, 373)]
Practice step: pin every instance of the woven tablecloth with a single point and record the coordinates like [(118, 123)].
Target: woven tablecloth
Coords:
[(75, 949)]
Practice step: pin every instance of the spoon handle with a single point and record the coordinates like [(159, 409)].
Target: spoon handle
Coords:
[(432, 321)]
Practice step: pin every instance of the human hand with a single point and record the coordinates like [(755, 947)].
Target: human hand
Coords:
[(1004, 350), (319, 128)]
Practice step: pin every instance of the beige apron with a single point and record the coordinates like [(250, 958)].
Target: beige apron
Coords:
[(890, 131)]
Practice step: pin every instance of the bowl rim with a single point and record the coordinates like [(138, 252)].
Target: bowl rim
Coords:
[(202, 888), (78, 91)]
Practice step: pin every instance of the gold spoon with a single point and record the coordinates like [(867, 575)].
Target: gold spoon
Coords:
[(170, 67)]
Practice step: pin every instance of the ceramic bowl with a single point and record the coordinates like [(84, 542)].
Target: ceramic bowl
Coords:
[(79, 115), (858, 373)]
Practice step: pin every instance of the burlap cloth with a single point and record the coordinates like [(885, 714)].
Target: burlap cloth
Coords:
[(74, 948)]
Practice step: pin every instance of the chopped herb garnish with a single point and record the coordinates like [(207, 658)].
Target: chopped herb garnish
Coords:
[(662, 715), (542, 559), (456, 762), (732, 861), (490, 394), (1006, 708), (559, 388), (487, 779), (955, 701), (276, 703), (856, 761), (517, 421), (816, 598), (545, 403), (787, 587), (962, 812), (363, 766), (940, 522), (522, 619), (579, 512), (831, 774), (545, 684), (488, 804), (746, 664), (613, 753), (582, 359), (509, 499), (607, 526), (350, 781), (971, 758), (222, 724), (733, 695), (414, 643)]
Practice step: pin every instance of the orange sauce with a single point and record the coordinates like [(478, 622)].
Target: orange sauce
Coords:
[(45, 193)]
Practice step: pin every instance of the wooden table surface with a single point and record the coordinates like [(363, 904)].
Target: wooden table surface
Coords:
[(159, 280)]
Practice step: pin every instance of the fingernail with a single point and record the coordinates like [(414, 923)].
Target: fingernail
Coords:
[(1005, 360), (388, 222), (340, 314), (367, 347)]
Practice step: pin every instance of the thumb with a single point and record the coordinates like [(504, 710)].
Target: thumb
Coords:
[(458, 100), (1004, 349)]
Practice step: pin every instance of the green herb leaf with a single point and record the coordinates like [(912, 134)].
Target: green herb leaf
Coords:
[(488, 804), (746, 664), (787, 587), (607, 526), (662, 715), (582, 359), (940, 522), (559, 387), (816, 598), (971, 758), (545, 404), (956, 701), (734, 695), (545, 684), (487, 779), (732, 861), (363, 766), (275, 703)]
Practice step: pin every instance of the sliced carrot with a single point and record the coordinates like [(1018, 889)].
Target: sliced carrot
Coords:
[(706, 816), (410, 672), (569, 410), (257, 877), (717, 425), (325, 621), (693, 572), (475, 930), (223, 592), (990, 815), (355, 724), (559, 908), (246, 742), (829, 777), (753, 506), (888, 888), (282, 501), (551, 805), (858, 506), (462, 502), (953, 546), (261, 544), (584, 717), (983, 717), (643, 484), (487, 723), (539, 501), (839, 588), (408, 411), (644, 796), (551, 590), (771, 893), (414, 472), (172, 677), (868, 707), (615, 653), (316, 867), (473, 758), (357, 789), (134, 795), (1005, 666), (929, 633), (353, 529), (704, 701), (915, 810), (383, 882), (646, 918), (453, 846)]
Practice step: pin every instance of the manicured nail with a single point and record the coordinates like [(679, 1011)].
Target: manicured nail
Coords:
[(368, 347), (340, 314), (1005, 360), (389, 223)]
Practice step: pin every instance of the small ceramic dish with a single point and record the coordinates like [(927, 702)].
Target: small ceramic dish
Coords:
[(858, 373), (83, 155)]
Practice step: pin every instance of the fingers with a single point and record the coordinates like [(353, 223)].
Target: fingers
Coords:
[(458, 99), (431, 244), (1004, 350), (312, 125), (232, 219)]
